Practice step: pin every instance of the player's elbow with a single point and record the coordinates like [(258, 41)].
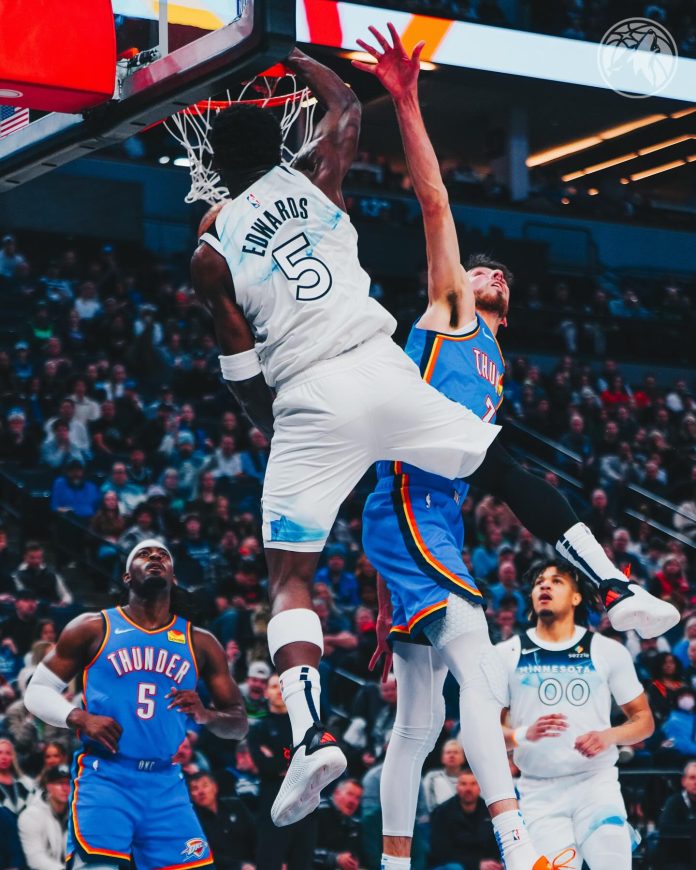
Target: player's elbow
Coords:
[(649, 725), (435, 205)]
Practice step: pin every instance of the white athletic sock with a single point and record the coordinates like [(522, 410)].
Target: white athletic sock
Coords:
[(391, 862), (580, 547), (302, 694), (512, 836)]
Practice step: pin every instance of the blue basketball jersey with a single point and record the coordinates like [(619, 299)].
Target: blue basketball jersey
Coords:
[(129, 677), (468, 369)]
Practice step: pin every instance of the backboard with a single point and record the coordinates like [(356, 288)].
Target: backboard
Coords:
[(172, 54)]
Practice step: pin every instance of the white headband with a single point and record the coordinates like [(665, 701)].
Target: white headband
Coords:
[(148, 542)]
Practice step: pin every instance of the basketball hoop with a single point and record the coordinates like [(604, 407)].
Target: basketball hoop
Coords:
[(277, 89)]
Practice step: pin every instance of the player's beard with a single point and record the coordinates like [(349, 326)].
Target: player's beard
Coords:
[(494, 301), (151, 585)]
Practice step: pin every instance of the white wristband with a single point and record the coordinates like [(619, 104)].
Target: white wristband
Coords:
[(240, 366), (519, 735), (44, 697)]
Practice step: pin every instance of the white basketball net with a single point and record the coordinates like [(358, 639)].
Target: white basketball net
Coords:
[(191, 129)]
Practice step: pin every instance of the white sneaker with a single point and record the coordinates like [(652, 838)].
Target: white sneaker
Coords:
[(629, 606), (316, 762)]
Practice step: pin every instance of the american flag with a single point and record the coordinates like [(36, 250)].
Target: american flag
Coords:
[(12, 118)]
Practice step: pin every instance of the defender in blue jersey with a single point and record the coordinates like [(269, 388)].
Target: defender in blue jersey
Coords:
[(412, 525), (140, 665)]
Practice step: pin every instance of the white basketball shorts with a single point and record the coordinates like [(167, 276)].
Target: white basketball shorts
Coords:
[(341, 415), (562, 812)]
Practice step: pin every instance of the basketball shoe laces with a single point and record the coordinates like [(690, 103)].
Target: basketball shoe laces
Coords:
[(563, 859)]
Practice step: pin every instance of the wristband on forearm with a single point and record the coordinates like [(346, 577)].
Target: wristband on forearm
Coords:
[(240, 366)]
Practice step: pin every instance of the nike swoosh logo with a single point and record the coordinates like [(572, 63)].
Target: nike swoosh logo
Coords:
[(530, 650), (123, 630), (487, 334)]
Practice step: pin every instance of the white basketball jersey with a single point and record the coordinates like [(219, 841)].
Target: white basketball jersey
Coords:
[(576, 678), (293, 257)]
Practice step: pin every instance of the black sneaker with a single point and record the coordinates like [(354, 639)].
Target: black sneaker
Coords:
[(316, 762)]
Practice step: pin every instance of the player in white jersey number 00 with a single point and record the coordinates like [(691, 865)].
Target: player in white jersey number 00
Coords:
[(561, 681)]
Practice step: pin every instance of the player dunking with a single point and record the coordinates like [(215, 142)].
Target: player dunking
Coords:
[(412, 526), (562, 679), (279, 272), (140, 666)]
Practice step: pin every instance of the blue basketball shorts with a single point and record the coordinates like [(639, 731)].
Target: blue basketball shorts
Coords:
[(414, 537), (117, 811)]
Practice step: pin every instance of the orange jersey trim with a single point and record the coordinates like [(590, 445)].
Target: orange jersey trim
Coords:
[(424, 551), (426, 611), (189, 637), (76, 827), (148, 631), (85, 672)]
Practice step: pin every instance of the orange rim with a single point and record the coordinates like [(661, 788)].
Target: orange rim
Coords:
[(265, 102)]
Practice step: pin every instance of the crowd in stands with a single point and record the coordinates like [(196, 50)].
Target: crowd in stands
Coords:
[(110, 398)]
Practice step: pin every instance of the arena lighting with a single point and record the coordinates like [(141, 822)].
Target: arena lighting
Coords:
[(164, 159), (541, 158), (664, 167), (551, 154), (426, 65), (181, 161), (641, 152), (592, 191)]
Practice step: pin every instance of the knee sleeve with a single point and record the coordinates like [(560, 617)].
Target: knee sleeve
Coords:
[(420, 714)]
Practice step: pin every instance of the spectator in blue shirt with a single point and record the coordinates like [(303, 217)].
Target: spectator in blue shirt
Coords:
[(341, 582), (71, 492), (506, 587), (484, 559)]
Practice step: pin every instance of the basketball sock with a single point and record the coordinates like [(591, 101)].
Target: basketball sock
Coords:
[(302, 694), (580, 547), (391, 862), (512, 836)]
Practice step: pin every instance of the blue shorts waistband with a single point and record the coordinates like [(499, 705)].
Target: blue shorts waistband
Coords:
[(144, 765)]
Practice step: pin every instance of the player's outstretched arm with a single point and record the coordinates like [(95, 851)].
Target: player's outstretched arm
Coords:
[(448, 285), (76, 646), (228, 718), (241, 369), (329, 155)]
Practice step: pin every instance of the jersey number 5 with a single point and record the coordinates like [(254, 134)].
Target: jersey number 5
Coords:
[(146, 700), (308, 276)]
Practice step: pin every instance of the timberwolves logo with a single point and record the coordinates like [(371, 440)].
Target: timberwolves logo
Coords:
[(194, 848), (637, 57)]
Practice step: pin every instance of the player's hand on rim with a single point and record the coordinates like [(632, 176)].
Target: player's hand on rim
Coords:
[(593, 743), (188, 701), (394, 68), (552, 725)]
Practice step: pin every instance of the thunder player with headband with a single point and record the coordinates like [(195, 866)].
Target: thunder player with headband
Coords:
[(140, 666), (412, 525), (562, 678)]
